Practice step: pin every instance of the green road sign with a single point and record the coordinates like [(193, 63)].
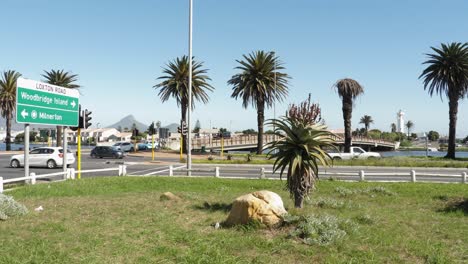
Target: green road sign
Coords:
[(42, 103)]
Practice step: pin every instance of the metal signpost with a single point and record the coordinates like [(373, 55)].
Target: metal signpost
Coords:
[(45, 104)]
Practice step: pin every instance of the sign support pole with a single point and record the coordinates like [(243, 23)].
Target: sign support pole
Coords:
[(79, 153), (189, 108), (26, 150), (65, 147)]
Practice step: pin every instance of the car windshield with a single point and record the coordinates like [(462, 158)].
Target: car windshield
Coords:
[(117, 144)]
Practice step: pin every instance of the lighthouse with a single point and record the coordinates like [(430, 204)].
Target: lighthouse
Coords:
[(400, 122)]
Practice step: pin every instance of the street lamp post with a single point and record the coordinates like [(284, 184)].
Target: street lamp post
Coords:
[(189, 139)]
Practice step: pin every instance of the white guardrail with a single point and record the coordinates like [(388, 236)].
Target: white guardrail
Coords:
[(69, 174), (361, 175)]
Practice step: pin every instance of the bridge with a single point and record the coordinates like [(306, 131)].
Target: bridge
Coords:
[(249, 143)]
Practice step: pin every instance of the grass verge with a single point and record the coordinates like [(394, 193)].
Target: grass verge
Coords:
[(122, 220)]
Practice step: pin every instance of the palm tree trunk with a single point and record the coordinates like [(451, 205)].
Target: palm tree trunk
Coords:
[(260, 120), (347, 111), (183, 107), (453, 110), (298, 199), (8, 132), (58, 136)]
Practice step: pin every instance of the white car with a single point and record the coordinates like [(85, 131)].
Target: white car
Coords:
[(124, 146), (50, 157)]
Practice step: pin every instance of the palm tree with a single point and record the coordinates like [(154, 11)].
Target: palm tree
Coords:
[(63, 79), (175, 84), (300, 149), (393, 127), (409, 125), (348, 90), (259, 83), (447, 74), (366, 120), (8, 101)]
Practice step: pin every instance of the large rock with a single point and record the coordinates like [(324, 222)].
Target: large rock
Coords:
[(263, 206)]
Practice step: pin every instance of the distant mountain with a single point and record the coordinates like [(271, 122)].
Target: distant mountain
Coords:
[(172, 127), (128, 121)]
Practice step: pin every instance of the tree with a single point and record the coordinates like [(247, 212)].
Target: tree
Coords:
[(366, 120), (393, 127), (433, 135), (249, 131), (300, 149), (465, 140), (197, 127), (260, 84), (447, 74), (348, 90), (175, 84), (409, 125), (119, 128), (8, 101), (63, 79)]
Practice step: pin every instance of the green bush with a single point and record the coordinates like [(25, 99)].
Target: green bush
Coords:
[(9, 207), (322, 230)]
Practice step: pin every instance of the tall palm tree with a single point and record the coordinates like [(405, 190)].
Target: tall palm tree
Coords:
[(299, 149), (260, 83), (8, 101), (447, 74), (409, 125), (393, 127), (175, 84), (366, 120), (348, 90), (63, 79)]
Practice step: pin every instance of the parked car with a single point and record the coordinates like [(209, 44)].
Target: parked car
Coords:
[(124, 146), (106, 152), (355, 153), (50, 157)]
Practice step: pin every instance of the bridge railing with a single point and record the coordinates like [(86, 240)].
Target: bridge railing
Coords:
[(197, 143)]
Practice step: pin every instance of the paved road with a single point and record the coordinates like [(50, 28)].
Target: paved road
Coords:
[(137, 165)]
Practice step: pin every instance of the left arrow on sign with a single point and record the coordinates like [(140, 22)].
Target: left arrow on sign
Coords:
[(24, 113)]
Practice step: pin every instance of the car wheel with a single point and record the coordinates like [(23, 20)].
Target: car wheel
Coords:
[(93, 155), (132, 149), (51, 164), (116, 156), (14, 164)]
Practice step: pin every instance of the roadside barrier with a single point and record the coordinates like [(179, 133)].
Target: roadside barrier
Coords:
[(69, 174)]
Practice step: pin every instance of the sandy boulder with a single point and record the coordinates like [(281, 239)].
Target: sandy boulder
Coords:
[(263, 206)]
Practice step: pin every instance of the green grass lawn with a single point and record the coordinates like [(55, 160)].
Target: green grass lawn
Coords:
[(122, 220), (430, 162)]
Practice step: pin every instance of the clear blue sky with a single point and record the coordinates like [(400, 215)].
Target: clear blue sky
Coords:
[(118, 49)]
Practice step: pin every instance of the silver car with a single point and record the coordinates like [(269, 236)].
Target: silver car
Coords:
[(124, 146)]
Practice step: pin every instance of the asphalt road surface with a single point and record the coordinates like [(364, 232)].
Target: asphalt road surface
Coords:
[(143, 166)]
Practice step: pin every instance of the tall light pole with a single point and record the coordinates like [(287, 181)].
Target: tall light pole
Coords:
[(189, 136)]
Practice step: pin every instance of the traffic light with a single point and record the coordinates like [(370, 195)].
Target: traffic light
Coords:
[(87, 117), (182, 129), (135, 132)]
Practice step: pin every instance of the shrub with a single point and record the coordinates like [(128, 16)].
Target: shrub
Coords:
[(328, 203), (323, 230), (229, 157), (210, 158), (9, 207)]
